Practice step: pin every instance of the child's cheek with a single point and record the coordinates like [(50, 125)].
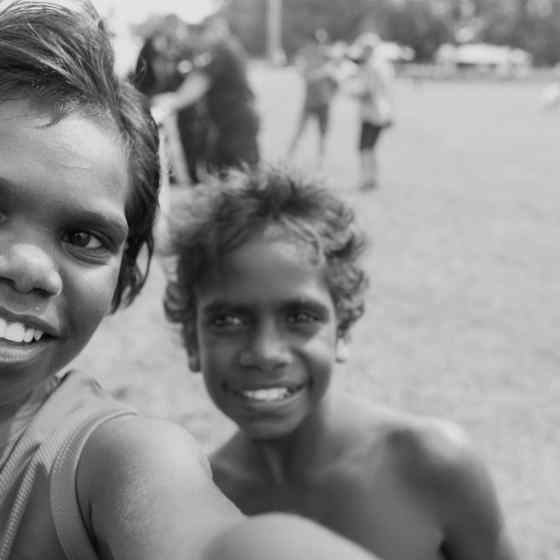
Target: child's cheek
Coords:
[(93, 295)]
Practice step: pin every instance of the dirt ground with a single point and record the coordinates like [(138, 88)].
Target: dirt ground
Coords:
[(463, 316)]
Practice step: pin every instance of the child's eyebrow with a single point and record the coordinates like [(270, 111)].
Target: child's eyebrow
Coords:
[(220, 306), (105, 219), (309, 304), (112, 223)]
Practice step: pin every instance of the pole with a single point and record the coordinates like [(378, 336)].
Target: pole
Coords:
[(274, 35)]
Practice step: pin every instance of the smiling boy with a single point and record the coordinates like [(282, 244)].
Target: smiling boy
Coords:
[(268, 284), (84, 477)]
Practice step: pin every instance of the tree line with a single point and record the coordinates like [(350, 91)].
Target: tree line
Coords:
[(533, 25)]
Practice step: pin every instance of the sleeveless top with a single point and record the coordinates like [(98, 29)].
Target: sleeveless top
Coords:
[(376, 104), (37, 470)]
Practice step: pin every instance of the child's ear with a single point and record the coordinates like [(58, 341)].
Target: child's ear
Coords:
[(194, 362), (193, 355), (341, 350)]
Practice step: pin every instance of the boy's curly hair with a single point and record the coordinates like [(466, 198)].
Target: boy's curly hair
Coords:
[(223, 216), (57, 55)]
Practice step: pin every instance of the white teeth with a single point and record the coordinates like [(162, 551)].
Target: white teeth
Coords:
[(17, 332), (28, 336), (272, 394), (14, 332)]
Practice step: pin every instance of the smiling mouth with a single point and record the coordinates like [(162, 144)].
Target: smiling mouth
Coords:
[(18, 333), (268, 394)]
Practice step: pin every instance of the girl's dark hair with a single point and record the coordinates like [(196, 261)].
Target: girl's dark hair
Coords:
[(57, 56), (222, 217)]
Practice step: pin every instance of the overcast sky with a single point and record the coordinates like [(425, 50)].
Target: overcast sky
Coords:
[(123, 12)]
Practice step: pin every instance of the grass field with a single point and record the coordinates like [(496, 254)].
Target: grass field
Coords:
[(463, 315)]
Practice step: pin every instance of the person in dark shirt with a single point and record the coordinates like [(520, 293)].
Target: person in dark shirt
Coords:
[(163, 62), (220, 77)]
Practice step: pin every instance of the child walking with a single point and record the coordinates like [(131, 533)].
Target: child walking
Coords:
[(83, 476), (268, 285)]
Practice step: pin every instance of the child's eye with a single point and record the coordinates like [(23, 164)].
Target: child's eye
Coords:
[(89, 247), (84, 240), (302, 317), (227, 320)]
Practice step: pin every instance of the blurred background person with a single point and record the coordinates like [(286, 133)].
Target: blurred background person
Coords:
[(372, 85), (164, 61), (219, 77), (320, 85)]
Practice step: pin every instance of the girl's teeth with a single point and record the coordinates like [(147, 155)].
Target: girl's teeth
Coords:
[(17, 332), (14, 332), (273, 394), (28, 336)]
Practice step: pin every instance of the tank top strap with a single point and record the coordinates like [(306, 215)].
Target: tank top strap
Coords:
[(65, 510), (51, 445)]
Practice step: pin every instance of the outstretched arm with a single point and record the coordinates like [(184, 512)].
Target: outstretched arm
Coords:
[(276, 536), (189, 92), (146, 493)]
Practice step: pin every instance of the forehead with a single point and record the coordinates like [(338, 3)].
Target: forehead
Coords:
[(77, 155), (28, 120), (274, 265), (296, 236)]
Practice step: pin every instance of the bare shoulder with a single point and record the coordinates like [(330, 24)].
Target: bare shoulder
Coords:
[(437, 459), (433, 445), (427, 446), (146, 443), (145, 489), (434, 454)]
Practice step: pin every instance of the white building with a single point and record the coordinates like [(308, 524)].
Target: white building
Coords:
[(485, 58)]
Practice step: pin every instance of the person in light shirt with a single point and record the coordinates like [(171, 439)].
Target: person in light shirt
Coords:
[(372, 86)]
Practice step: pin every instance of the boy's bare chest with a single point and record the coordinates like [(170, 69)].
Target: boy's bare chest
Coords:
[(374, 511)]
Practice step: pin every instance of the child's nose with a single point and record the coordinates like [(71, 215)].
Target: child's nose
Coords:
[(267, 349), (30, 268)]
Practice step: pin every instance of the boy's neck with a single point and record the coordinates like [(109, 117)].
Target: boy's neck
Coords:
[(299, 454)]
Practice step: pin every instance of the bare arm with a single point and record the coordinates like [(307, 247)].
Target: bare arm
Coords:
[(189, 92), (192, 89), (474, 523), (145, 493), (283, 537)]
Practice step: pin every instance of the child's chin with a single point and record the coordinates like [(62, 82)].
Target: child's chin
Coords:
[(267, 431)]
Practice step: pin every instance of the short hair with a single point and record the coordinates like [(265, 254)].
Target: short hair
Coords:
[(58, 56), (223, 216)]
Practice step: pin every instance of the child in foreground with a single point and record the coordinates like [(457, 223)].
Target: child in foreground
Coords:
[(82, 476), (267, 287)]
